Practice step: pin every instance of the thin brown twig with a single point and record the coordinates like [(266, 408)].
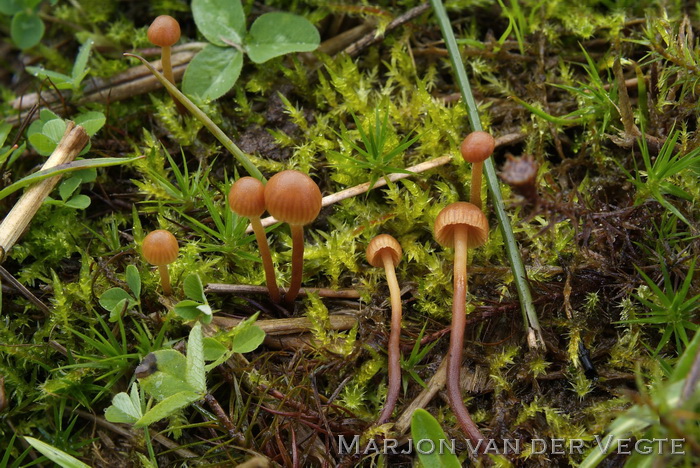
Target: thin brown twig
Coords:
[(222, 288)]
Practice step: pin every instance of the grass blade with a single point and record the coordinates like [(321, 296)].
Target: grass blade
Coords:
[(519, 275)]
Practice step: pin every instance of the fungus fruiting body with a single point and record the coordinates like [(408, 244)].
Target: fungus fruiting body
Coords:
[(476, 148), (160, 248), (461, 226), (294, 198), (247, 198), (385, 251), (165, 32)]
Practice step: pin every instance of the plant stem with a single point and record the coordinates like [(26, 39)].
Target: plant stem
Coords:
[(165, 279), (459, 321), (297, 262), (259, 231), (165, 63), (475, 195), (204, 118), (530, 319), (394, 348)]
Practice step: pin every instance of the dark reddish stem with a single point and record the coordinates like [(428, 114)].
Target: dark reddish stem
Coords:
[(394, 349), (459, 321), (297, 262)]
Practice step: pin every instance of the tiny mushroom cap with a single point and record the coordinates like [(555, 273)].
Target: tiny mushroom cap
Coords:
[(247, 197), (164, 31), (160, 248), (380, 244), (477, 147), (293, 197), (461, 214)]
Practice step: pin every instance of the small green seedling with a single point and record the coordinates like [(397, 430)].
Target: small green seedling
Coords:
[(79, 72), (411, 363), (27, 28), (117, 301), (196, 307), (215, 69)]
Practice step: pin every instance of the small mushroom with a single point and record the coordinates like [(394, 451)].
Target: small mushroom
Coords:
[(247, 198), (164, 32), (160, 248), (292, 197), (461, 226), (476, 148), (385, 251)]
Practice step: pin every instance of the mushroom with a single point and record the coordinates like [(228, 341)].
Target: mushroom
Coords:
[(160, 248), (292, 197), (385, 251), (462, 226), (247, 199), (164, 32), (476, 148)]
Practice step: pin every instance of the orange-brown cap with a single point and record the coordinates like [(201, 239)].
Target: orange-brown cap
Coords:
[(160, 247), (164, 31), (381, 244), (247, 197), (292, 197), (477, 147), (461, 214)]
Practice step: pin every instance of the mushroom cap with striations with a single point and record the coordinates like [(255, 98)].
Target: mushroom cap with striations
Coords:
[(461, 214), (164, 31), (247, 197), (293, 197), (160, 247), (380, 244), (477, 147)]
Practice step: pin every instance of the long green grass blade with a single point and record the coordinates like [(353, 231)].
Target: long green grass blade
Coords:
[(204, 118), (520, 277)]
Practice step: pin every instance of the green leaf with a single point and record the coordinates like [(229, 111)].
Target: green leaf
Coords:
[(169, 378), (278, 33), (188, 310), (123, 409), (5, 129), (91, 121), (27, 29), (57, 456), (113, 296), (59, 80), (79, 202), (68, 186), (50, 133), (10, 7), (194, 289), (79, 67), (220, 21), (195, 360), (167, 407), (248, 338), (133, 279), (425, 427), (213, 350), (62, 169), (116, 312), (212, 72)]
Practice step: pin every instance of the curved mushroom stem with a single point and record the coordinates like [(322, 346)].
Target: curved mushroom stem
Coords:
[(165, 279), (297, 262), (475, 194), (394, 349), (259, 231), (459, 321)]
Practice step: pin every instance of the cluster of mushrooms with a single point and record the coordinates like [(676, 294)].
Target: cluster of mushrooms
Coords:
[(460, 226), (293, 197)]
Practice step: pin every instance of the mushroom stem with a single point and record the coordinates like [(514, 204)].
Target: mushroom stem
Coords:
[(475, 195), (165, 279), (297, 262), (394, 349), (167, 66), (266, 258), (459, 321)]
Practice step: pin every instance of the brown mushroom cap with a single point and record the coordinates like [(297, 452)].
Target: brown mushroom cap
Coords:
[(380, 244), (164, 31), (477, 147), (292, 197), (160, 247), (461, 214), (247, 197)]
